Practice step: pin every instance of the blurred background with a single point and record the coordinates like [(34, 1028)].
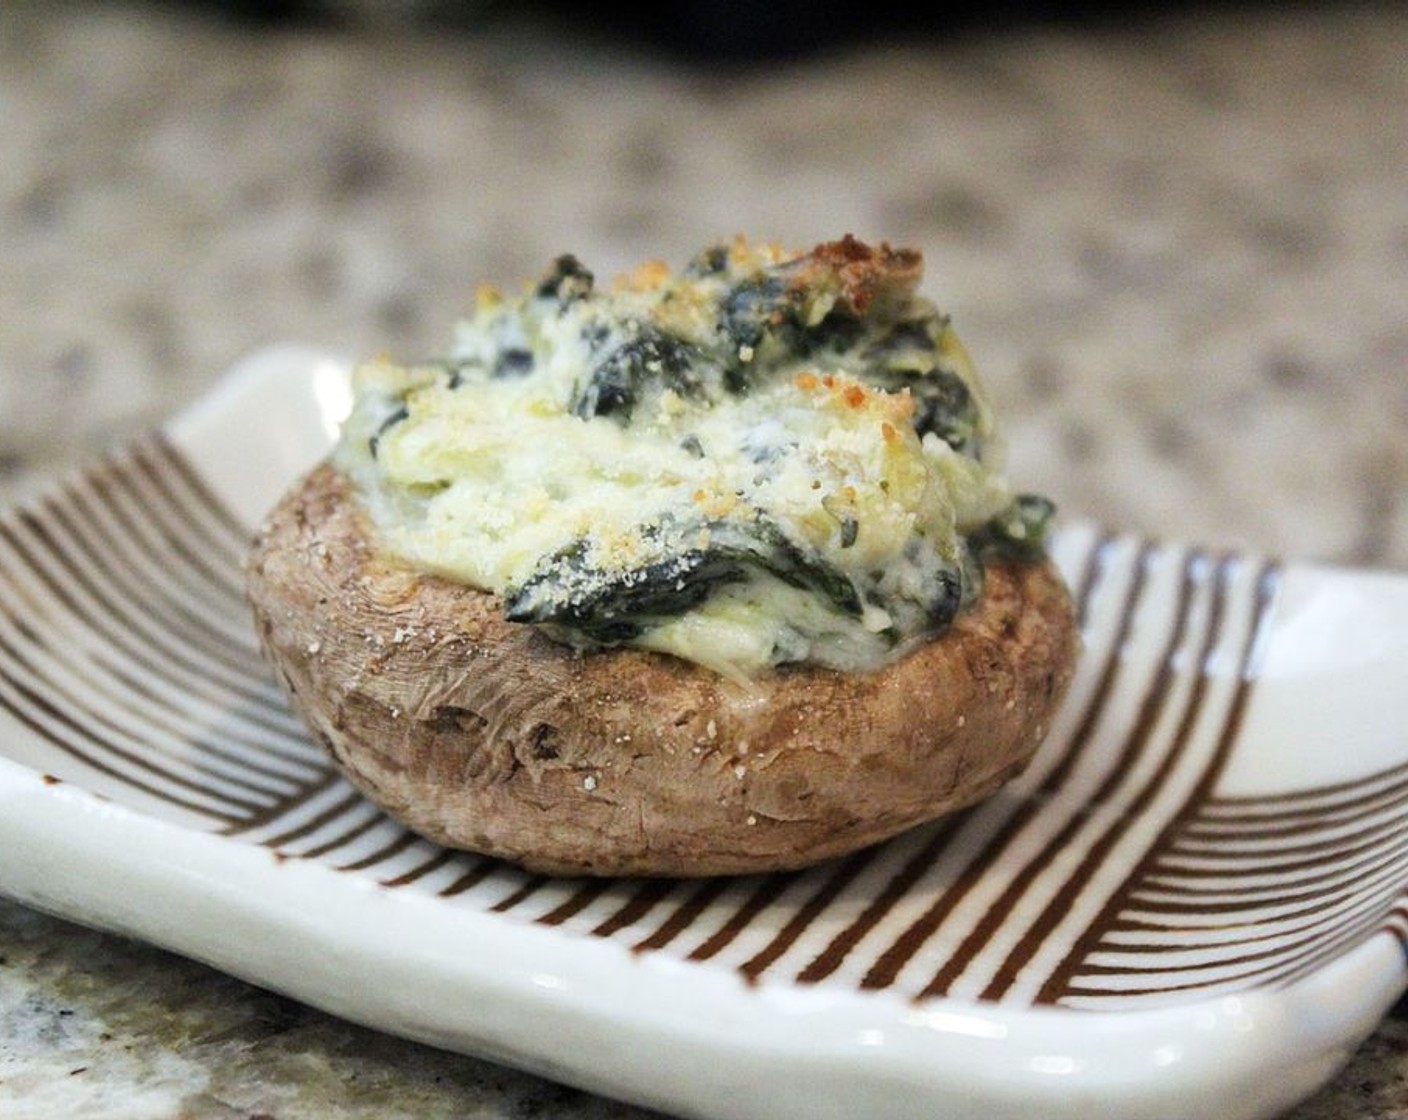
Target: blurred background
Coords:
[(1173, 237)]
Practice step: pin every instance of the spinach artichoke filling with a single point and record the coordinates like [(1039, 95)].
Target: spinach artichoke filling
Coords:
[(766, 458)]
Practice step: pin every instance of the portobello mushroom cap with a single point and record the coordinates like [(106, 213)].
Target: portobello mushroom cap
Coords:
[(485, 735)]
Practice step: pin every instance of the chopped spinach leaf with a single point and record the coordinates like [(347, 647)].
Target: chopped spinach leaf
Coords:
[(905, 337), (608, 607), (943, 405), (946, 598), (710, 262), (774, 552), (516, 361), (755, 315), (568, 280), (1020, 530), (762, 323), (390, 422), (651, 358), (605, 607)]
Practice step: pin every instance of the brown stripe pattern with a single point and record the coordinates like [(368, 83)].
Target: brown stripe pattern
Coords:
[(1255, 891), (1112, 874), (126, 654)]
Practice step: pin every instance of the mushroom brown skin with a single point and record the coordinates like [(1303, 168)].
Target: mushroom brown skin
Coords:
[(486, 735)]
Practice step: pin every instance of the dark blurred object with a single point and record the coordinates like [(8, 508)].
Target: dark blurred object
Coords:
[(740, 30), (756, 29)]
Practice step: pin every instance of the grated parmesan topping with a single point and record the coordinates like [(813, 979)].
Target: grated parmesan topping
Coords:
[(764, 458)]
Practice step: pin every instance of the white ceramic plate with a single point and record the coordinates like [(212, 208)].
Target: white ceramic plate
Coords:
[(1193, 903)]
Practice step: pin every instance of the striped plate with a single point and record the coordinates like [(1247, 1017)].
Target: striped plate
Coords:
[(1192, 904)]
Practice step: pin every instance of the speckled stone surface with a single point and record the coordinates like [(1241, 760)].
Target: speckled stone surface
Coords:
[(1177, 250)]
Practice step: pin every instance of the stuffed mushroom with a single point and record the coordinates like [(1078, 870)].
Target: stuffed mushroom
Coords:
[(703, 572)]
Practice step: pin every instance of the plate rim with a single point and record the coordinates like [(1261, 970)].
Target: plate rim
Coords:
[(1191, 1057), (857, 1045)]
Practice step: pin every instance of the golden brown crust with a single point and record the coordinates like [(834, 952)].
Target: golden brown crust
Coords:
[(865, 272), (483, 734)]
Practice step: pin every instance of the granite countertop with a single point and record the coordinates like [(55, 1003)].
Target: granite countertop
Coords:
[(1176, 247)]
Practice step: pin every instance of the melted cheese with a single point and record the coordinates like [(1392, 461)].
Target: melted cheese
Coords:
[(715, 465)]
